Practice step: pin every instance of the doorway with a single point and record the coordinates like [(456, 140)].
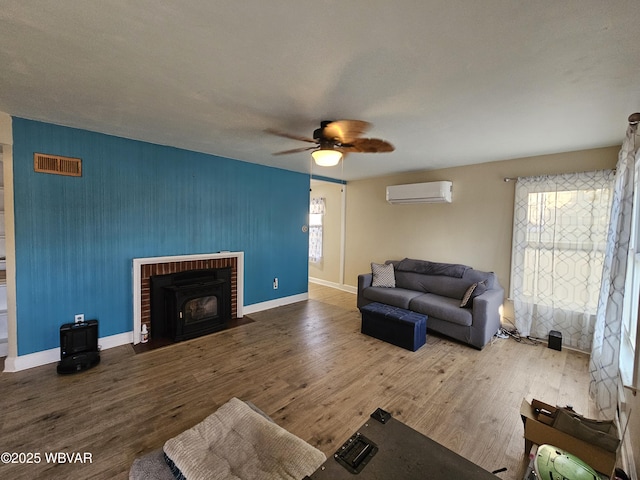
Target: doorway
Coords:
[(3, 272), (327, 266)]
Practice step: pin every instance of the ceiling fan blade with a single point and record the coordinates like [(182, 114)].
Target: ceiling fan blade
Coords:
[(294, 150), (346, 130), (367, 145), (289, 135)]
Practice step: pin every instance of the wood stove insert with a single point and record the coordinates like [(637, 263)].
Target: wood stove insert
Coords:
[(190, 304)]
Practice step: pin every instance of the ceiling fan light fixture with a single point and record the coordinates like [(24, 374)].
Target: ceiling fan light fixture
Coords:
[(326, 157)]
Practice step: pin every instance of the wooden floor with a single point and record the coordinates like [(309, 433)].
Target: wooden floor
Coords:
[(307, 366)]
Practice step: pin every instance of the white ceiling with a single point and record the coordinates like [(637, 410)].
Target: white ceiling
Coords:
[(448, 82)]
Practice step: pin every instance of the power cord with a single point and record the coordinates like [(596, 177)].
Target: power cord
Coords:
[(515, 334)]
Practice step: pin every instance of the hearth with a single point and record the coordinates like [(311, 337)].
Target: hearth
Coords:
[(190, 304)]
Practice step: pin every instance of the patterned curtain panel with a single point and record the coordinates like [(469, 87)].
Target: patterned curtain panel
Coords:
[(559, 238), (316, 211), (605, 354), (317, 206)]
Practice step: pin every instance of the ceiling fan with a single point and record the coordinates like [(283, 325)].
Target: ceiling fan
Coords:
[(335, 138)]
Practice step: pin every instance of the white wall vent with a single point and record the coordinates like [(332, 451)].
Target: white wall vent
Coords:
[(430, 192)]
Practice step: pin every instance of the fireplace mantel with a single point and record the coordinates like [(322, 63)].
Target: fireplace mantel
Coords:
[(139, 263)]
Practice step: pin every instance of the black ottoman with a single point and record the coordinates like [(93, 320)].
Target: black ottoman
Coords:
[(394, 325)]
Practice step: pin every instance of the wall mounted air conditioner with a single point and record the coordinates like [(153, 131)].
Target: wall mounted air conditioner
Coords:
[(430, 192)]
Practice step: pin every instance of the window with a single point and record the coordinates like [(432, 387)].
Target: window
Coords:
[(629, 334), (564, 249), (560, 233), (316, 213)]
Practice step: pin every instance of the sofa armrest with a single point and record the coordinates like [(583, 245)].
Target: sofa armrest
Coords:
[(486, 308), (364, 281), (485, 321)]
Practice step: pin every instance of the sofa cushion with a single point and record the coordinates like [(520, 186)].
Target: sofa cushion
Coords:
[(443, 308), (383, 275), (432, 268), (438, 284), (398, 297), (442, 285), (473, 276)]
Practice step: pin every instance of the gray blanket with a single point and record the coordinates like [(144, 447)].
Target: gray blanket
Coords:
[(235, 442)]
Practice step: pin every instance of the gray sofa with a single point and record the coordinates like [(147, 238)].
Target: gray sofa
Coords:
[(437, 290)]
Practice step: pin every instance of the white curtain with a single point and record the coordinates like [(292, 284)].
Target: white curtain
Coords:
[(559, 237), (604, 362), (316, 211)]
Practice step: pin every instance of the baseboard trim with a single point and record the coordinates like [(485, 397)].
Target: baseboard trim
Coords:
[(339, 286), (31, 360), (278, 302), (37, 359)]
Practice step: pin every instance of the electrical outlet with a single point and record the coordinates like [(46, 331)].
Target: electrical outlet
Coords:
[(275, 283), (79, 317)]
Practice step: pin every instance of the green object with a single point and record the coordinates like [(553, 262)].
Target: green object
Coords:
[(551, 463)]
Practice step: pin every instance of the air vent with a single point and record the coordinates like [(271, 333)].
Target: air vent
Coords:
[(57, 165)]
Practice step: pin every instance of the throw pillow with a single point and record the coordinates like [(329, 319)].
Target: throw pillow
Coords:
[(383, 275), (467, 295), (472, 292)]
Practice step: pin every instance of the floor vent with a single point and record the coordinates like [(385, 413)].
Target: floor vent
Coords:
[(57, 165)]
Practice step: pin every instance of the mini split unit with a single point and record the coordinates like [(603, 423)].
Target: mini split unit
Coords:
[(430, 192)]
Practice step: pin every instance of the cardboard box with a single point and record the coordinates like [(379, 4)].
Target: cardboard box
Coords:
[(537, 432)]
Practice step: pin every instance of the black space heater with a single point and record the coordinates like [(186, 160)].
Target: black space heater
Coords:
[(555, 340), (78, 346)]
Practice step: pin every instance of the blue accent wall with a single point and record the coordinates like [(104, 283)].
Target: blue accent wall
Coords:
[(76, 236)]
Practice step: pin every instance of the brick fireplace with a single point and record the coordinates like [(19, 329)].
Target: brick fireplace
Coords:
[(144, 268)]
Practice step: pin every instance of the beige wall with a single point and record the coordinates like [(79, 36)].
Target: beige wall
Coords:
[(475, 229), (328, 269)]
